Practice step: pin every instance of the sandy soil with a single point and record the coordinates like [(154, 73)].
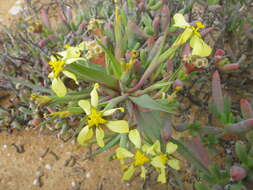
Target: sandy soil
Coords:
[(21, 171), (5, 7)]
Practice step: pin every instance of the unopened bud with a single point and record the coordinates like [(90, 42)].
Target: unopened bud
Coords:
[(219, 53), (237, 173), (246, 108), (178, 85)]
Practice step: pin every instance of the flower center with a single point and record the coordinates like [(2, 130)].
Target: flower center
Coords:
[(199, 25), (56, 66), (95, 118), (140, 159), (164, 158)]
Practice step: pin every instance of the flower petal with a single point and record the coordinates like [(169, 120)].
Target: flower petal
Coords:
[(183, 37), (122, 153), (58, 87), (111, 111), (85, 105), (100, 137), (129, 173), (152, 150), (85, 134), (135, 138), (174, 164), (180, 21), (162, 177), (199, 47), (143, 172), (171, 148), (70, 75), (94, 96), (119, 126), (72, 60), (156, 147), (157, 162)]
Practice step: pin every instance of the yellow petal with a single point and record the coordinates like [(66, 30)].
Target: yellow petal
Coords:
[(180, 21), (156, 147), (72, 60), (100, 137), (199, 47), (174, 164), (120, 126), (85, 105), (51, 75), (111, 111), (162, 177), (94, 96), (70, 75), (122, 153), (135, 138), (152, 150), (85, 134), (171, 148), (143, 172), (81, 46), (158, 162), (129, 173), (58, 87), (183, 37)]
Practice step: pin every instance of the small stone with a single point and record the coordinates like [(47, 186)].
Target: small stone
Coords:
[(48, 166), (73, 183), (88, 175), (39, 174), (5, 146), (36, 182)]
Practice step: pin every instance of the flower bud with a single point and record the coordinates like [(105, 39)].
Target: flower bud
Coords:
[(218, 55), (178, 85), (246, 108), (237, 173)]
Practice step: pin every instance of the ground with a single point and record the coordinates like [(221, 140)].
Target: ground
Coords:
[(49, 157)]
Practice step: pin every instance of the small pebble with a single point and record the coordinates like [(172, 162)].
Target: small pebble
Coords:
[(48, 166), (88, 175), (5, 146), (36, 182), (39, 174), (73, 183)]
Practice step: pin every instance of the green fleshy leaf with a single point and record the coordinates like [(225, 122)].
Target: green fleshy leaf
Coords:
[(151, 123), (114, 64), (90, 74), (146, 101)]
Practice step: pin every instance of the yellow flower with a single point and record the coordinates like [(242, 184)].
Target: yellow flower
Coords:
[(96, 120), (200, 48), (139, 159), (145, 154), (161, 160), (70, 55)]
